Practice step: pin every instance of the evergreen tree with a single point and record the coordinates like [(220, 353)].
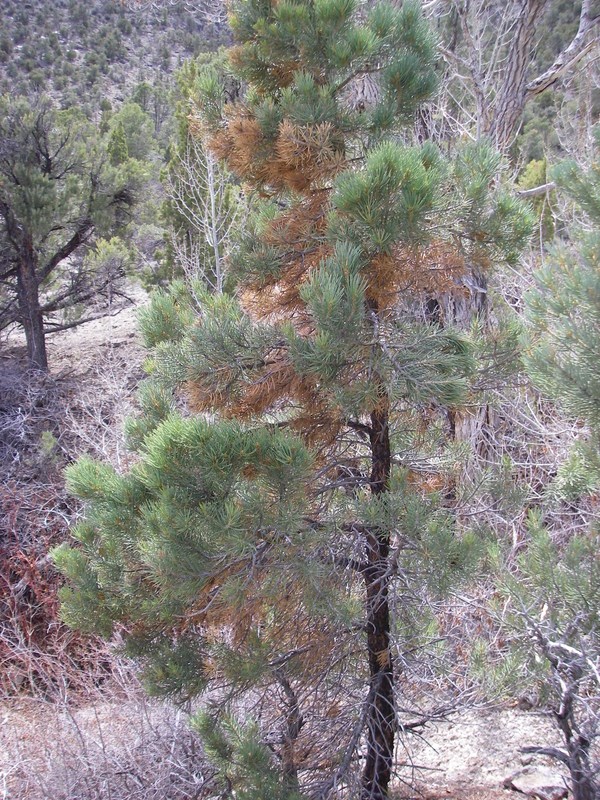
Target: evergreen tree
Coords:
[(56, 196), (118, 151), (565, 307), (278, 543), (556, 591), (132, 130)]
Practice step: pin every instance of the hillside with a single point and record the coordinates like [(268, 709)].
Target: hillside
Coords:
[(87, 52)]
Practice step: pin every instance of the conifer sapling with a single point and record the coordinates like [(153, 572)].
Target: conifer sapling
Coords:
[(276, 543)]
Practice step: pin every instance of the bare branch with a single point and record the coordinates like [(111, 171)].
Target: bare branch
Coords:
[(201, 193), (551, 752), (537, 190)]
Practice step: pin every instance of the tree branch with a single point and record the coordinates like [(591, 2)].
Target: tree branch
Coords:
[(551, 752), (538, 190), (83, 231), (575, 51)]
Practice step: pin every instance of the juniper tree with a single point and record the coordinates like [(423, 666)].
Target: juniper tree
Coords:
[(279, 541)]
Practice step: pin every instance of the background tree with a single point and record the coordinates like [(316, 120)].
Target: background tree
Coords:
[(86, 51), (284, 548), (499, 65), (133, 125), (204, 209), (507, 67), (495, 64), (56, 195), (205, 212)]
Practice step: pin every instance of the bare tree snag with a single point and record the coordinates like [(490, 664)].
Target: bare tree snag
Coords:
[(582, 43), (511, 97), (493, 66)]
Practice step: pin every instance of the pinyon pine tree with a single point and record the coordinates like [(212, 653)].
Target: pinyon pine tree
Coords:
[(57, 198), (278, 542)]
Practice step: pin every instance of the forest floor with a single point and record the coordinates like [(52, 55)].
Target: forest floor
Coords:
[(127, 747), (121, 745), (79, 350), (474, 753)]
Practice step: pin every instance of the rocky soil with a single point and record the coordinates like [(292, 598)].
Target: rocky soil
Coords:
[(473, 755)]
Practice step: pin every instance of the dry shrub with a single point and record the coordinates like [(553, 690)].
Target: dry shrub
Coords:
[(45, 423), (76, 724), (116, 746), (37, 653)]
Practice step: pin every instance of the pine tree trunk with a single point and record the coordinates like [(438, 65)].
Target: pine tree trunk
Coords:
[(381, 718), (29, 308), (294, 722), (460, 310)]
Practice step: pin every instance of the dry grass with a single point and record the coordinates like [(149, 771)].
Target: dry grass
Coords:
[(116, 746), (46, 422)]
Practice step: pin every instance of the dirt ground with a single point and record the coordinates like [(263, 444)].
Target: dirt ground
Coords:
[(469, 756), (77, 350), (45, 749)]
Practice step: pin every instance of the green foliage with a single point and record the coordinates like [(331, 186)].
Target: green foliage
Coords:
[(579, 475), (564, 309), (111, 256), (495, 222), (566, 586), (326, 40), (58, 195), (168, 316), (550, 609), (149, 546), (244, 762), (6, 48), (117, 148), (133, 134), (392, 199), (554, 592), (156, 404)]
